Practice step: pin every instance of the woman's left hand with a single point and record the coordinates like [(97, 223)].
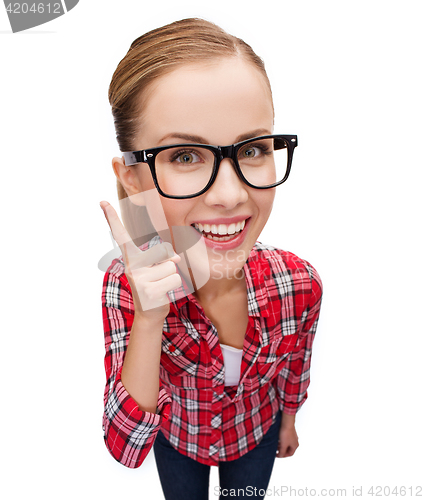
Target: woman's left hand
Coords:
[(287, 440)]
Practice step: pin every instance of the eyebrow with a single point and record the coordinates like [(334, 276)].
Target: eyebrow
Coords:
[(201, 140)]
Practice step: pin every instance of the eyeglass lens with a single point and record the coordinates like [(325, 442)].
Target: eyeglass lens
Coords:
[(183, 171)]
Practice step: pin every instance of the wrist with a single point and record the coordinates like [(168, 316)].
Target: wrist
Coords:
[(146, 326), (287, 420)]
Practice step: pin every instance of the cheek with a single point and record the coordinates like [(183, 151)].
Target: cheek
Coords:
[(157, 209), (266, 202), (176, 212)]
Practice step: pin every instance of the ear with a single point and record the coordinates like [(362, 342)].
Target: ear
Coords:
[(130, 181)]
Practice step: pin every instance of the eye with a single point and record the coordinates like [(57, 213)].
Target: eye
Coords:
[(250, 152), (186, 157)]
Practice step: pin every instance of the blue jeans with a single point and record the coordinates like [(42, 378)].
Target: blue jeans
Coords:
[(183, 478)]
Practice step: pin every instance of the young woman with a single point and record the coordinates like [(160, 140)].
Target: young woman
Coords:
[(208, 332)]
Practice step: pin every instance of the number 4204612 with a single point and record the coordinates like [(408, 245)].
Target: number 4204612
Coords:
[(385, 491), (36, 8)]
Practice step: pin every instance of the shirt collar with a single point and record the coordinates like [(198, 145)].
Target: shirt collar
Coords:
[(257, 272)]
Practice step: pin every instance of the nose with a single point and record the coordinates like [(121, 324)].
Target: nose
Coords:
[(228, 190)]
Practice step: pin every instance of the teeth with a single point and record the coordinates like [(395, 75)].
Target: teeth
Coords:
[(231, 228), (220, 229), (215, 238)]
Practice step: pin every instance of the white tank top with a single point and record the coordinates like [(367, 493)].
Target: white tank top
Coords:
[(232, 364)]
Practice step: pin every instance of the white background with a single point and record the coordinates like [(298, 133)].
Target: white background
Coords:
[(347, 78)]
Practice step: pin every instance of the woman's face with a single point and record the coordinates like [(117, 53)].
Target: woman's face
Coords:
[(220, 104)]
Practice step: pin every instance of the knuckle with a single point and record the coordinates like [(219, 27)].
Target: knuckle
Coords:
[(177, 280), (172, 266)]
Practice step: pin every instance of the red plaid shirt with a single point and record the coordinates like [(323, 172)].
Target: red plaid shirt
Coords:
[(201, 417)]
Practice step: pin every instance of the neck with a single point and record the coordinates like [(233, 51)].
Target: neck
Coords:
[(214, 288)]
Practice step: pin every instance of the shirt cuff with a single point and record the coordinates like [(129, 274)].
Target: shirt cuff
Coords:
[(129, 431), (130, 407), (292, 408)]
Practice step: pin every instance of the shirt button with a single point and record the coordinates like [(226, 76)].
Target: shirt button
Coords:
[(171, 348)]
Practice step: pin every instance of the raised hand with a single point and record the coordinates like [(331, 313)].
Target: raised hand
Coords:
[(151, 273)]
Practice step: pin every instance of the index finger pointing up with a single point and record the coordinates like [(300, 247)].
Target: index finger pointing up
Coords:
[(129, 249), (119, 233)]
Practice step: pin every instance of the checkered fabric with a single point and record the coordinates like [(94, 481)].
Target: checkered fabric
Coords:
[(201, 417)]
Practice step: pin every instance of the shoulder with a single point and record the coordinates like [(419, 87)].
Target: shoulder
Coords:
[(286, 267), (281, 260)]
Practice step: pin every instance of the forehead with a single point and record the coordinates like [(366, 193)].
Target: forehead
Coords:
[(218, 101)]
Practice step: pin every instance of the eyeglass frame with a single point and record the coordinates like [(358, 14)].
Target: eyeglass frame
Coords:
[(220, 153)]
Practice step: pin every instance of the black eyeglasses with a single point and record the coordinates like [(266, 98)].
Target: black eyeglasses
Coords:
[(188, 170)]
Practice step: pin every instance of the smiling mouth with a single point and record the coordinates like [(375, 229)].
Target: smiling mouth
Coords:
[(220, 232)]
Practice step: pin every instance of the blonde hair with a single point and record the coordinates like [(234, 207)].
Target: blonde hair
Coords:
[(156, 54)]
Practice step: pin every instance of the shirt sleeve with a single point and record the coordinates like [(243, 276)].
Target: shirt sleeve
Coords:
[(129, 432), (293, 380)]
